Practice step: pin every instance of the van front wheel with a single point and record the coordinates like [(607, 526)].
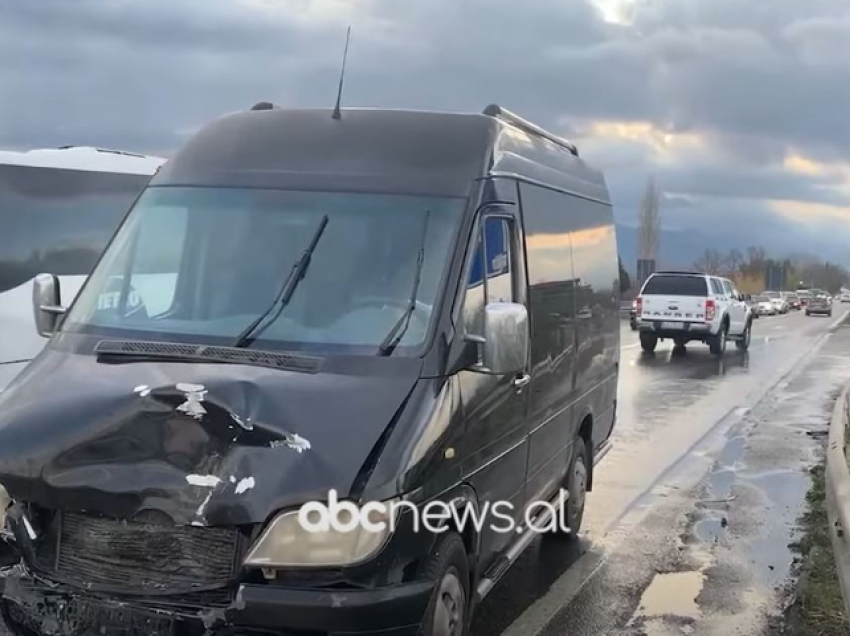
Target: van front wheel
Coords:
[(448, 566)]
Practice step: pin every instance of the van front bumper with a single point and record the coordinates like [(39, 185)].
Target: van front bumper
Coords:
[(258, 609)]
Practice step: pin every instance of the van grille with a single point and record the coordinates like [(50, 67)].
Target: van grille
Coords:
[(144, 558)]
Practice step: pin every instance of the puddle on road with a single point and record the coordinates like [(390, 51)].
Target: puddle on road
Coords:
[(732, 452), (712, 530), (672, 594), (720, 484)]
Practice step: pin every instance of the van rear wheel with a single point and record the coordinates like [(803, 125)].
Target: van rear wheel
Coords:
[(575, 484), (448, 611)]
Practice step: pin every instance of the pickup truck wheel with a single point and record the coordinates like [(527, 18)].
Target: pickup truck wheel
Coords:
[(717, 344), (648, 342), (448, 611), (744, 343)]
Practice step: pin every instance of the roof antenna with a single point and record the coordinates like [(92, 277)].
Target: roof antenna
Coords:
[(337, 114)]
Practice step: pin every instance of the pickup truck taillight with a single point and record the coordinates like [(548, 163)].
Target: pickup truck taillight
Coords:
[(710, 310), (638, 306)]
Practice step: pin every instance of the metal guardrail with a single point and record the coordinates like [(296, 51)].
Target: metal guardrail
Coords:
[(838, 492)]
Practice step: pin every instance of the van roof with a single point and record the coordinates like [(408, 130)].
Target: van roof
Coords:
[(83, 158), (410, 152)]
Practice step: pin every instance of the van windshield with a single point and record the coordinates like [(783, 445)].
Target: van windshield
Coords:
[(202, 264)]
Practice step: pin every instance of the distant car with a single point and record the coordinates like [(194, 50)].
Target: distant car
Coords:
[(751, 302), (778, 301), (819, 305), (792, 299), (845, 297), (764, 306), (633, 315), (804, 295)]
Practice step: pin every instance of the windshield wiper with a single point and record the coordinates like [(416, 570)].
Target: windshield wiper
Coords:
[(390, 342), (258, 326)]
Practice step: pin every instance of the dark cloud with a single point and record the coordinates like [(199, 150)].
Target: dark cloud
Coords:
[(754, 81)]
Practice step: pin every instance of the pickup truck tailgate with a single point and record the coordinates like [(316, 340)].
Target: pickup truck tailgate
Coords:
[(674, 308)]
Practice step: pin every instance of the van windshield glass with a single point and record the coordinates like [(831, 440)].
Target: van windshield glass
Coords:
[(202, 264), (675, 286)]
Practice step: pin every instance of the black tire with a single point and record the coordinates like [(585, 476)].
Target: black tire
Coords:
[(717, 344), (744, 343), (648, 342), (575, 483), (808, 313), (577, 480), (448, 613)]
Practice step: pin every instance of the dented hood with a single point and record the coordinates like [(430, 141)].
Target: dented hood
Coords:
[(205, 444)]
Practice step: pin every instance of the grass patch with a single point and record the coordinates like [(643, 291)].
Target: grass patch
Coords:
[(817, 608)]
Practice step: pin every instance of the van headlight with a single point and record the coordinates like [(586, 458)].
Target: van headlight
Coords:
[(322, 536)]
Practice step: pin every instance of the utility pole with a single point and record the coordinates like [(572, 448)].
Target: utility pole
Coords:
[(648, 232)]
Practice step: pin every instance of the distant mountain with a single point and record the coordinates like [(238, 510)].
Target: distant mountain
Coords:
[(680, 248)]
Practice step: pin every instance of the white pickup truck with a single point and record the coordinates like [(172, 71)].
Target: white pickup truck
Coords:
[(688, 306)]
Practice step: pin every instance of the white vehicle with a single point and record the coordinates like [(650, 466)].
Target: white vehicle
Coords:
[(779, 301), (58, 209), (688, 306), (845, 297), (764, 306)]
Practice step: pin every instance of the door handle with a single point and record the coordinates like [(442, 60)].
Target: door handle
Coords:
[(521, 381)]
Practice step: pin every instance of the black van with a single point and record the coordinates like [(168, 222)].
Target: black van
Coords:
[(398, 307)]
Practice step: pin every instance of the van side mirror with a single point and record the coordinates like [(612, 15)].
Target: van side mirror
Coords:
[(504, 346), (46, 304)]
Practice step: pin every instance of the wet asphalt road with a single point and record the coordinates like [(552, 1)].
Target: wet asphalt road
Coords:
[(687, 529), (705, 483)]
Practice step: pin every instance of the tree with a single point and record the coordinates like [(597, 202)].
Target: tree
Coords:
[(735, 260), (625, 279), (650, 222), (712, 262)]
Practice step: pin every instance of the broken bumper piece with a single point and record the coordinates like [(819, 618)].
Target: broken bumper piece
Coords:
[(36, 607)]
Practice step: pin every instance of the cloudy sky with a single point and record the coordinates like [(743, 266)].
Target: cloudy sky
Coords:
[(740, 108)]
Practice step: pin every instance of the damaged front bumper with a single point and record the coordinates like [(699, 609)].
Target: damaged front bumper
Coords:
[(36, 606)]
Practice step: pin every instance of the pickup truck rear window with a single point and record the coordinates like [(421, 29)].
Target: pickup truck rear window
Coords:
[(675, 286)]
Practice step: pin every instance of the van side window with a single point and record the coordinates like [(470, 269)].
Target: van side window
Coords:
[(497, 234), (493, 255)]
